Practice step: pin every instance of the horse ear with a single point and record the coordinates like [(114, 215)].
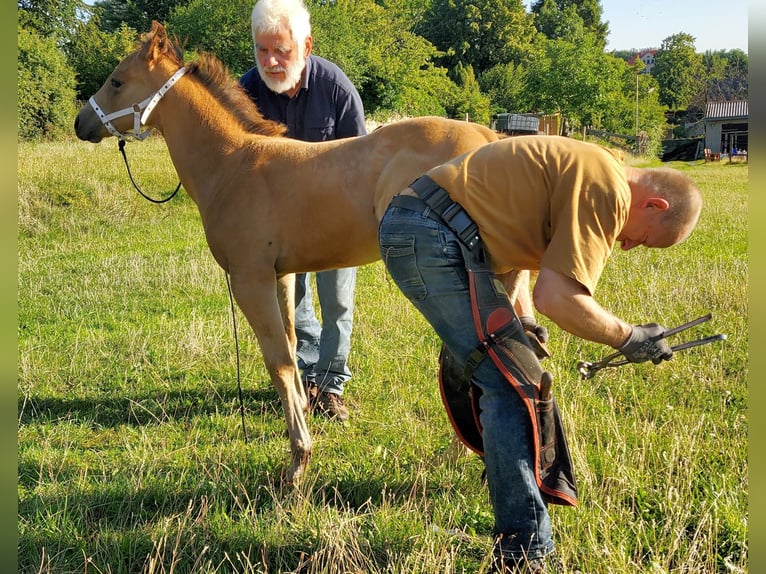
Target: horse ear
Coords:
[(157, 42)]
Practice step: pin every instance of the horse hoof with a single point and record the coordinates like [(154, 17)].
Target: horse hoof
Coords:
[(297, 468)]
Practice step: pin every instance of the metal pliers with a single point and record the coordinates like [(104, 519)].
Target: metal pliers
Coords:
[(588, 369)]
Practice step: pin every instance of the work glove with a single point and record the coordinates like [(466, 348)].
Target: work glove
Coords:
[(537, 335), (640, 347)]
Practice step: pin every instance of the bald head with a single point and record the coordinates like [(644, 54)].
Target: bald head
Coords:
[(683, 199)]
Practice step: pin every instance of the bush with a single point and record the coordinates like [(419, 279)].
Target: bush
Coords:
[(45, 88), (95, 53)]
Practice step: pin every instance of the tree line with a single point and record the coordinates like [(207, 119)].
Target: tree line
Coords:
[(455, 58)]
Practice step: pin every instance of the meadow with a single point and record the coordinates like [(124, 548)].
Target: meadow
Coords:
[(132, 455)]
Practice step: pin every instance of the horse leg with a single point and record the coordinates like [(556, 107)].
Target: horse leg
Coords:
[(286, 296), (256, 295)]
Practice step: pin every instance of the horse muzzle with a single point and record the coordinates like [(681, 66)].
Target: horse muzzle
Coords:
[(88, 126)]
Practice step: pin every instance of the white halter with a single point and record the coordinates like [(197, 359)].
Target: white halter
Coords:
[(139, 118)]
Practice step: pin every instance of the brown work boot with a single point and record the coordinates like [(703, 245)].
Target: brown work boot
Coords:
[(328, 404)]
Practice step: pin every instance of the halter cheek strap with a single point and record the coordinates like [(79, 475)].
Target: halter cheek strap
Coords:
[(140, 111), (154, 100)]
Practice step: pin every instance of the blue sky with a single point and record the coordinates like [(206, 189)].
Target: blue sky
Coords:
[(646, 23)]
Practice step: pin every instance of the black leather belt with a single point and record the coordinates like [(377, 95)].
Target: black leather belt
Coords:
[(440, 203)]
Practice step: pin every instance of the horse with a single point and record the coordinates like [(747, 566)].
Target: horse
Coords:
[(256, 189)]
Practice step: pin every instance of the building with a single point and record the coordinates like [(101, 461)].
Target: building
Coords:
[(647, 57), (726, 126)]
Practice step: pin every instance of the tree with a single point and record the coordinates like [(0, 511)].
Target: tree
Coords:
[(470, 103), (562, 18), (568, 77), (727, 75), (136, 14), (45, 87), (219, 27), (479, 33), (94, 53), (626, 55), (590, 12), (650, 113), (505, 84), (679, 71), (50, 18), (555, 22), (391, 66)]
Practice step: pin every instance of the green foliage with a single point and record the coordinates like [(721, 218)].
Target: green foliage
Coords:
[(136, 14), (567, 76), (390, 65), (50, 18), (505, 85), (94, 53), (554, 22), (342, 34), (221, 27), (727, 75), (45, 87), (625, 54), (651, 114), (679, 71), (566, 19), (469, 103), (479, 33)]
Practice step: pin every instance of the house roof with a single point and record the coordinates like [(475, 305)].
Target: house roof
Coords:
[(641, 55), (726, 110)]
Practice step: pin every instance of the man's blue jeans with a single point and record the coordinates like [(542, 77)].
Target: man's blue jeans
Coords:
[(424, 258), (323, 350)]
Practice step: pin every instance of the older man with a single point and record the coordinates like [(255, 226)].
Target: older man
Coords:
[(317, 102), (543, 203)]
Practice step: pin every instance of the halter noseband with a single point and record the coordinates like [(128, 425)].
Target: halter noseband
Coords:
[(140, 111)]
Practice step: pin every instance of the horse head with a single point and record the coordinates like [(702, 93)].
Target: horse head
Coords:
[(128, 95)]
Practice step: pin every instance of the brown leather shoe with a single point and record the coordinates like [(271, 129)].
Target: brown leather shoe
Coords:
[(331, 405), (328, 404)]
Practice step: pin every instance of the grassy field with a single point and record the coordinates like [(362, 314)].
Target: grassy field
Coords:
[(131, 455)]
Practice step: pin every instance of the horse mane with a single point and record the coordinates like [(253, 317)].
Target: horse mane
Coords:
[(215, 76)]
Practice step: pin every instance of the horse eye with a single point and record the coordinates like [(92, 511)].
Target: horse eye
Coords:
[(116, 83)]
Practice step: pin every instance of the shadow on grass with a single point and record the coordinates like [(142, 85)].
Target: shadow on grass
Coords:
[(150, 408)]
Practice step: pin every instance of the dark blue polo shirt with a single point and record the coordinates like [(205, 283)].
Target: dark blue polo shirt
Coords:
[(327, 106)]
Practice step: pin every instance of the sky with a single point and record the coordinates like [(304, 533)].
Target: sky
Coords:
[(640, 24)]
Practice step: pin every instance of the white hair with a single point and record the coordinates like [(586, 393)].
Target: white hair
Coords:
[(270, 15)]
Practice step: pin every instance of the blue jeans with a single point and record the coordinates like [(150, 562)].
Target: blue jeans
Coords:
[(323, 350), (424, 258)]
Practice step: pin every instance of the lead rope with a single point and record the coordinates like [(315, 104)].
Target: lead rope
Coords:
[(236, 347), (125, 157)]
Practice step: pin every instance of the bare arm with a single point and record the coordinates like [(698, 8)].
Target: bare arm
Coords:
[(516, 284), (568, 304), (523, 304)]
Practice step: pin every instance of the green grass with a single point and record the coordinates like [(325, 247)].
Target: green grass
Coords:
[(131, 452)]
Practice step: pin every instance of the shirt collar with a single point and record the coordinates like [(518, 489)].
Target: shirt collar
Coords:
[(306, 74)]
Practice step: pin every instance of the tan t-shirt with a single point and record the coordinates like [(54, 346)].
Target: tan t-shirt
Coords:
[(542, 201)]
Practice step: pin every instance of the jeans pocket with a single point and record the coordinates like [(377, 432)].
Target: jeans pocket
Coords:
[(398, 254)]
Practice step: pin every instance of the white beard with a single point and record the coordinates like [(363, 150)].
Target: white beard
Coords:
[(292, 75)]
